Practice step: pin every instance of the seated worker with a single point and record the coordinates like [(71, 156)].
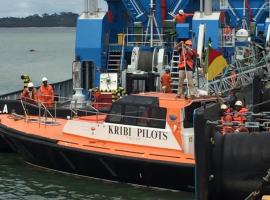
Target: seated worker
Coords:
[(26, 80), (239, 116), (46, 93), (166, 81), (182, 16), (29, 94), (226, 117)]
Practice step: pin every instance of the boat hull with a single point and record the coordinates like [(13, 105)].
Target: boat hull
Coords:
[(15, 106), (4, 145), (47, 153)]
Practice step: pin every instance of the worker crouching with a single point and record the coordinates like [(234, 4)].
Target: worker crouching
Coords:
[(29, 94)]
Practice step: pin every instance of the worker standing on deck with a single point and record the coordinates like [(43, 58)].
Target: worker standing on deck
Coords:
[(182, 16), (29, 94), (26, 80), (46, 93), (187, 54), (166, 81)]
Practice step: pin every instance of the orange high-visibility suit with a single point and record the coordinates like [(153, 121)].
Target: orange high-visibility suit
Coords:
[(239, 117), (188, 57), (181, 18), (226, 128), (29, 96), (166, 82), (46, 95)]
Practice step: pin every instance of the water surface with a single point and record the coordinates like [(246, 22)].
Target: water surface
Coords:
[(19, 180)]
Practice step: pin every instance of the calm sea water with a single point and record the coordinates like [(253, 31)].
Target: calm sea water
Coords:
[(19, 180), (53, 55)]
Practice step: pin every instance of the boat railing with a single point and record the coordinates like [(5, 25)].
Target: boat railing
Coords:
[(41, 107), (142, 38), (253, 122)]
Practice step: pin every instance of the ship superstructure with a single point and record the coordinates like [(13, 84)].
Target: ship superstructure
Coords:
[(136, 39)]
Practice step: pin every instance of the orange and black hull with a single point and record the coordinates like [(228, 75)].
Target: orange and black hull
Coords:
[(4, 145), (11, 106), (48, 153)]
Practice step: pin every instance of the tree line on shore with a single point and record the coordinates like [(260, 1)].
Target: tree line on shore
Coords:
[(63, 19)]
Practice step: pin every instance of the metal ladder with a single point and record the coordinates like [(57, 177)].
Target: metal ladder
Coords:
[(114, 62), (174, 71)]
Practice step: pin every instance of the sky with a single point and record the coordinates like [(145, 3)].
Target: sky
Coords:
[(23, 8)]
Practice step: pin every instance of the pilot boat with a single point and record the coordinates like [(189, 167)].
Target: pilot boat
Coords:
[(146, 139)]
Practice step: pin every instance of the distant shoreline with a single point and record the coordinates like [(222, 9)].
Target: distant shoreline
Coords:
[(63, 19)]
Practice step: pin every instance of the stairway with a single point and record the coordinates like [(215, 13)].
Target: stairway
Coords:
[(135, 10), (174, 71), (114, 61)]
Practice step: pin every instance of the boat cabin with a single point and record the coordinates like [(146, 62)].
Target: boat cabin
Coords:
[(138, 111)]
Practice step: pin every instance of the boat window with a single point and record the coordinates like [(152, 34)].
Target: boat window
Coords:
[(159, 117), (131, 113), (87, 74), (115, 114), (189, 110), (143, 114), (138, 111)]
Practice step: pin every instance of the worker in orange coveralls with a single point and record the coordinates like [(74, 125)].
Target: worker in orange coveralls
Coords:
[(226, 117), (46, 93), (239, 116), (181, 17), (29, 94), (166, 81)]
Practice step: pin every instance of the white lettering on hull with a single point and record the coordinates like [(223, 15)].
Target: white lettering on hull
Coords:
[(5, 110), (145, 136)]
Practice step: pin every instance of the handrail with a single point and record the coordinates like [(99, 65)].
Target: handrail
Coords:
[(143, 42), (122, 53), (24, 110), (40, 105)]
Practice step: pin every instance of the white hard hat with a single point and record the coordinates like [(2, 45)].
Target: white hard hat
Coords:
[(238, 103), (223, 107), (30, 84), (167, 68), (181, 12), (44, 79)]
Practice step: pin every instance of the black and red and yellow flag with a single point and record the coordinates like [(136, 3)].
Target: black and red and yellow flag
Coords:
[(215, 62)]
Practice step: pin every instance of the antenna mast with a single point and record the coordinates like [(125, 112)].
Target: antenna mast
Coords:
[(150, 25)]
